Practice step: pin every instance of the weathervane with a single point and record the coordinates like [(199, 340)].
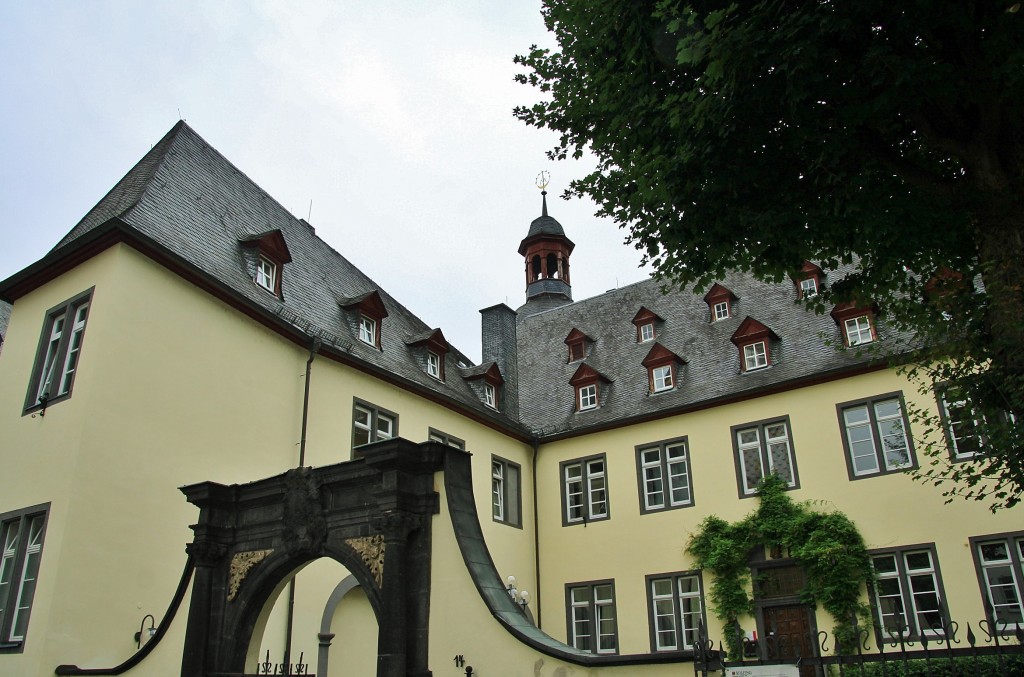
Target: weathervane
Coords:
[(543, 179)]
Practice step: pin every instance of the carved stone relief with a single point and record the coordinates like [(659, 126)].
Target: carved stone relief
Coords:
[(241, 564), (371, 549)]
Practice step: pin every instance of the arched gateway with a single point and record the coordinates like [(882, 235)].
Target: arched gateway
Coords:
[(371, 514)]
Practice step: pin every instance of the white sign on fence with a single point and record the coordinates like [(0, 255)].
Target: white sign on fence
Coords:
[(764, 671)]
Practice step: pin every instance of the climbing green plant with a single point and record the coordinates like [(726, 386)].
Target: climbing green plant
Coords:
[(826, 544)]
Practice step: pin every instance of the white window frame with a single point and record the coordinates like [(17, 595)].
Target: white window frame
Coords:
[(1005, 573), (368, 330), (664, 476), (914, 585), (22, 536), (266, 274), (721, 310), (858, 330), (506, 485), (755, 356), (53, 374), (662, 378), (763, 447), (808, 287), (433, 364), (646, 332), (676, 610), (586, 397), (584, 490), (591, 617), (372, 424), (868, 430), (490, 396)]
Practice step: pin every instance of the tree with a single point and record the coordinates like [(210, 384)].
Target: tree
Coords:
[(758, 135)]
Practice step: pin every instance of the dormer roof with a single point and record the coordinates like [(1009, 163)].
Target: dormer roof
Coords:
[(659, 355), (270, 243), (751, 330), (369, 304)]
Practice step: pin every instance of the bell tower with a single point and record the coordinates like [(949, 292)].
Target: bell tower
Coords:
[(545, 251)]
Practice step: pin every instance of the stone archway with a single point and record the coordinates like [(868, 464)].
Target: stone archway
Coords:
[(371, 514)]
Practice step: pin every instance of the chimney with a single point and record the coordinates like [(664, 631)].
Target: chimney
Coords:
[(498, 340)]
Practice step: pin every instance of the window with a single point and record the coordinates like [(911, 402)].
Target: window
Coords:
[(720, 302), (490, 396), (875, 436), (755, 356), (858, 330), (433, 365), (676, 606), (646, 322), (577, 342), (505, 498), (587, 397), (808, 287), (371, 424), (445, 438), (908, 592), (763, 448), (368, 330), (591, 617), (21, 537), (60, 347), (662, 377), (584, 491), (646, 332), (576, 351), (721, 310), (961, 427), (664, 475), (266, 274), (1000, 563)]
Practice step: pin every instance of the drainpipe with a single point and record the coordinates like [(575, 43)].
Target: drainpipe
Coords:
[(536, 532), (314, 347)]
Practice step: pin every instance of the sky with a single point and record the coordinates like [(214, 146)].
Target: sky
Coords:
[(387, 124)]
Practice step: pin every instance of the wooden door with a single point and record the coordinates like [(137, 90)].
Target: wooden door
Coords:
[(788, 635)]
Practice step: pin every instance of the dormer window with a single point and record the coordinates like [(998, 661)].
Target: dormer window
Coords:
[(856, 323), (587, 385), (646, 323), (364, 315), (754, 342), (577, 342), (721, 302), (265, 255), (428, 350), (808, 281), (368, 330), (490, 396), (662, 366), (486, 381)]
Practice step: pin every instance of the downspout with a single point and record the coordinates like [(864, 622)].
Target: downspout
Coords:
[(313, 349), (536, 533)]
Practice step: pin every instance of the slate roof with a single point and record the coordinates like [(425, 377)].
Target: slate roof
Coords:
[(187, 197), (711, 370)]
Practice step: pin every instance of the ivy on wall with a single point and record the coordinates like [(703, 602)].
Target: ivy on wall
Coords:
[(826, 544)]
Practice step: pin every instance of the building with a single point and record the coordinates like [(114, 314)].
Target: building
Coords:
[(191, 365)]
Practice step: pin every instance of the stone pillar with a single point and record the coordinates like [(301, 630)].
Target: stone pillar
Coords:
[(392, 640), (323, 652), (206, 556)]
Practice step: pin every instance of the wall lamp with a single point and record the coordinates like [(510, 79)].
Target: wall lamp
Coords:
[(520, 597), (150, 631)]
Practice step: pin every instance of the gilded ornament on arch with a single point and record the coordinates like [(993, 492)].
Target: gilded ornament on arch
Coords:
[(241, 564), (371, 549)]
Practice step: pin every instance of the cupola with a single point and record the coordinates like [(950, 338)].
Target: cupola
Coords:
[(545, 251)]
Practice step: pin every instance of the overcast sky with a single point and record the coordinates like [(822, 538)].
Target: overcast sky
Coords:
[(389, 124)]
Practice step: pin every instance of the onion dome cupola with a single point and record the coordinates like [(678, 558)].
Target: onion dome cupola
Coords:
[(546, 251)]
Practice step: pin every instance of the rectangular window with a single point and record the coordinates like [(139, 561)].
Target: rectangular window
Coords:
[(676, 607), (433, 365), (60, 347), (755, 356), (808, 287), (763, 448), (1000, 563), (875, 436), (576, 351), (587, 397), (591, 617), (858, 331), (490, 396), (908, 592), (368, 330), (584, 490), (646, 333), (266, 274), (445, 438), (506, 505), (721, 310), (661, 378), (372, 424), (21, 537), (664, 476)]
